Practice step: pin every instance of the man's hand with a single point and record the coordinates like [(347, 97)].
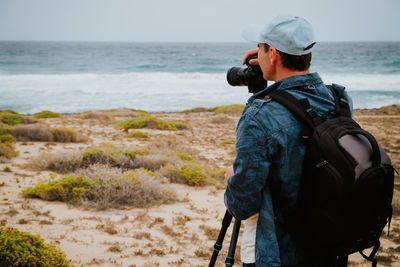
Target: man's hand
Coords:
[(229, 172), (252, 52)]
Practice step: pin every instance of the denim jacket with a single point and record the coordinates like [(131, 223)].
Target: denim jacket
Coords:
[(269, 155)]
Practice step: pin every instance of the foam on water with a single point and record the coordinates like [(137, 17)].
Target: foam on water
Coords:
[(162, 91)]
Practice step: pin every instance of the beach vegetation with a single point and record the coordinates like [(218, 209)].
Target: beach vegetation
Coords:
[(221, 120), (125, 112), (107, 156), (150, 122), (46, 114), (153, 161), (65, 162), (102, 187), (43, 133), (183, 156), (172, 143), (396, 203), (11, 118), (228, 142), (195, 110), (138, 134), (64, 135), (234, 109), (93, 115), (8, 111), (193, 173), (7, 149), (24, 249)]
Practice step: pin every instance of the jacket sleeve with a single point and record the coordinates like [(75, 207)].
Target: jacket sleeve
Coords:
[(244, 191)]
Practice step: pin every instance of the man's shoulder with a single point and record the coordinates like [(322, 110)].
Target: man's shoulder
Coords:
[(268, 114)]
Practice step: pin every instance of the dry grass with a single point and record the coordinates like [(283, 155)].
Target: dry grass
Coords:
[(172, 143), (103, 187), (95, 115), (221, 120), (153, 161), (202, 253), (42, 132), (210, 232), (109, 228), (396, 203), (169, 231), (63, 162), (7, 149), (66, 162)]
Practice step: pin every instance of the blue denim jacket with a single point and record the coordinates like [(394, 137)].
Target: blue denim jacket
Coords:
[(269, 151)]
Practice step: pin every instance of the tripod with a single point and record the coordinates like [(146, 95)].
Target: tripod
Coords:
[(232, 246)]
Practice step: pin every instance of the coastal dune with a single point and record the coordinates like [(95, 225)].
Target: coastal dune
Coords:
[(174, 160)]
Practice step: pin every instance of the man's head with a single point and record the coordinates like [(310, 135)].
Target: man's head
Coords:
[(285, 45)]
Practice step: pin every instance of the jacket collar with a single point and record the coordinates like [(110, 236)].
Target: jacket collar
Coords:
[(289, 83)]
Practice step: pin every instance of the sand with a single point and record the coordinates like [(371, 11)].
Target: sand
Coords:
[(178, 234)]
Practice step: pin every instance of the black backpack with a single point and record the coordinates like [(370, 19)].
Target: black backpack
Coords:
[(347, 183)]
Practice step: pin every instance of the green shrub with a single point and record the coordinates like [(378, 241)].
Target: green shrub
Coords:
[(138, 134), (24, 249), (150, 122), (133, 153), (102, 187), (11, 119), (188, 174), (61, 189), (47, 114), (94, 116), (7, 138), (230, 109), (9, 111), (7, 148), (193, 173), (64, 135), (184, 156)]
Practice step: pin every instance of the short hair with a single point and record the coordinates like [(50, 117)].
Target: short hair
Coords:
[(293, 62)]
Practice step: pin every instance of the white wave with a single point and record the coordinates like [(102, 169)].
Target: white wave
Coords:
[(156, 91), (365, 82)]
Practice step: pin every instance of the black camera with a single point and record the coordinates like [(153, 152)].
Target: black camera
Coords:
[(252, 76)]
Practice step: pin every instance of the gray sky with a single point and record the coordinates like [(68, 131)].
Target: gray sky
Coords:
[(191, 20)]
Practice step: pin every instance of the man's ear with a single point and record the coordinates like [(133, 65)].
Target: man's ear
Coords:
[(273, 55)]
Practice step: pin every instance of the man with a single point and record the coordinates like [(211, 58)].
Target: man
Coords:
[(269, 147)]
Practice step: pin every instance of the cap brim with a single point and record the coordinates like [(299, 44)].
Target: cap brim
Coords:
[(252, 33)]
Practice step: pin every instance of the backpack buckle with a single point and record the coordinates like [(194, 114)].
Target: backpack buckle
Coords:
[(311, 112)]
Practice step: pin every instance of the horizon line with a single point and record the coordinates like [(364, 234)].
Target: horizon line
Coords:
[(172, 42)]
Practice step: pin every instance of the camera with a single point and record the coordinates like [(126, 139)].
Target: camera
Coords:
[(250, 76)]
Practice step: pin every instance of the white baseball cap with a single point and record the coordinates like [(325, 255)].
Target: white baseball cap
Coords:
[(289, 34)]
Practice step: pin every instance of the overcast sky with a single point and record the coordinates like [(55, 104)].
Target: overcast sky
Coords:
[(191, 20)]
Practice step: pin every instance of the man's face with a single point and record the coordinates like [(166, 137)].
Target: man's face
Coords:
[(265, 61)]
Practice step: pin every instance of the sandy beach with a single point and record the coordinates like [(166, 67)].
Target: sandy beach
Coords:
[(167, 233)]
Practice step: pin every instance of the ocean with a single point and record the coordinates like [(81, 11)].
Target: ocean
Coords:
[(72, 77)]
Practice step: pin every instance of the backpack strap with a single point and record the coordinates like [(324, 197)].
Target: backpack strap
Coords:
[(300, 108), (341, 103)]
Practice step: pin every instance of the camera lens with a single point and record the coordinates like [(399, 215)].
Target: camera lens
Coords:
[(236, 76)]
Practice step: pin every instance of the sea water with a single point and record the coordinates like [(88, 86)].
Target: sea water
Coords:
[(71, 77)]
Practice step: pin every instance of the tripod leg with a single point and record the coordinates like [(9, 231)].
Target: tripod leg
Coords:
[(230, 259), (218, 245)]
